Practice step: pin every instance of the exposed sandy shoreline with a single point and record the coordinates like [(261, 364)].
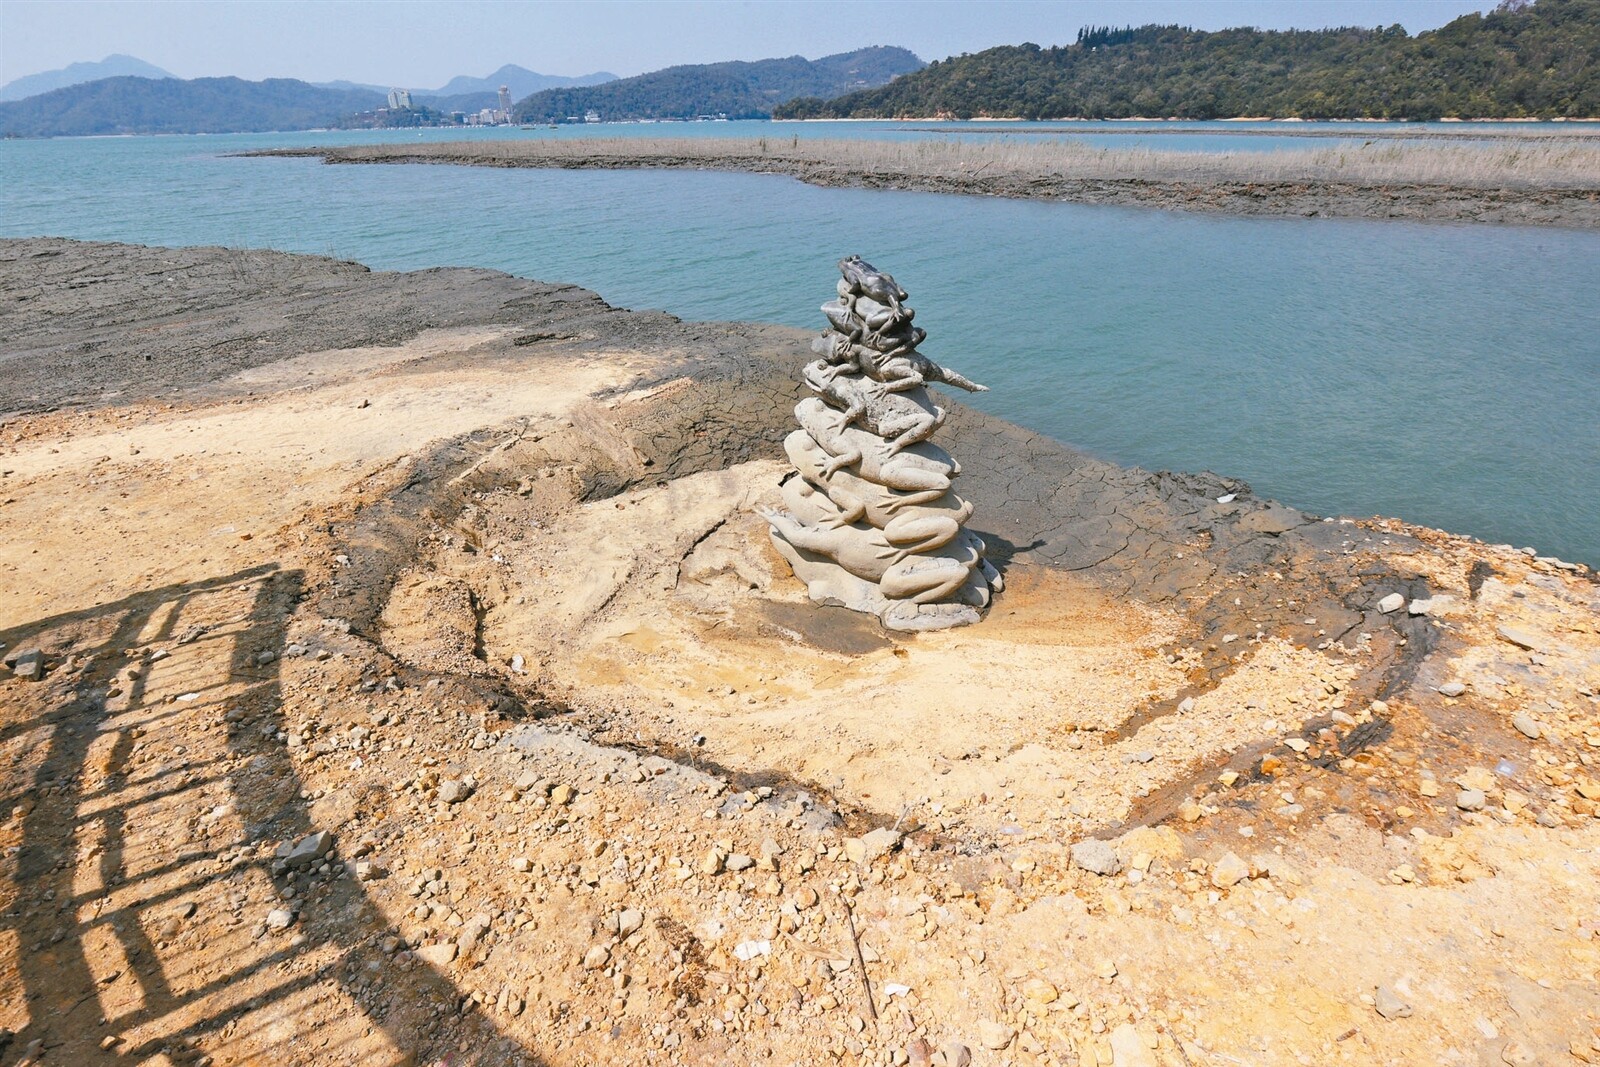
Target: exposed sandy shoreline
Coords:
[(463, 569), (1555, 184)]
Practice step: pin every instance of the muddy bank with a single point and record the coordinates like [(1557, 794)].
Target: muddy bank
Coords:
[(1228, 184), (485, 599)]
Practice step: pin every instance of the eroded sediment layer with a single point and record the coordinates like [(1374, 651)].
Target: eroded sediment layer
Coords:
[(490, 602), (1554, 185)]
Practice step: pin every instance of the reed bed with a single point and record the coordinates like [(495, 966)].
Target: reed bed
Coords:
[(1536, 164)]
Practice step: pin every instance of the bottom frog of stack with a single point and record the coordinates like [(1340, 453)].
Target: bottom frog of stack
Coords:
[(871, 521)]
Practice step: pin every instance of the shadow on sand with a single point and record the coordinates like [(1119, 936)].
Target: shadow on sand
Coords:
[(139, 866)]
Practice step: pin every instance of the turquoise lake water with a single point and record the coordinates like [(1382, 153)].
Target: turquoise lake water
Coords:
[(1445, 374)]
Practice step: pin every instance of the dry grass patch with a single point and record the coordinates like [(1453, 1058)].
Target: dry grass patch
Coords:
[(1545, 164)]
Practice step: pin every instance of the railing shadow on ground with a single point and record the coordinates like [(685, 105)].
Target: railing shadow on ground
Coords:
[(115, 856)]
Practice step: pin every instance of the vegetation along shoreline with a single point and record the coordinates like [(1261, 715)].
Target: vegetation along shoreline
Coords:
[(1554, 183)]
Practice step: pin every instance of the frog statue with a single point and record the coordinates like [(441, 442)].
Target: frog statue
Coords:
[(870, 520)]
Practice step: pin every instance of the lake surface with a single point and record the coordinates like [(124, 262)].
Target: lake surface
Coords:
[(1444, 374)]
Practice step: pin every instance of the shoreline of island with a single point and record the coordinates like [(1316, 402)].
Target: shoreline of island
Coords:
[(1548, 185)]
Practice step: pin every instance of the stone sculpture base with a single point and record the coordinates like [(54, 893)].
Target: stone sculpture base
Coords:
[(828, 583)]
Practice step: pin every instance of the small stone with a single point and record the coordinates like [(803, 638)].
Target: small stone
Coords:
[(1419, 607), (1039, 991), (454, 791), (1471, 800), (1392, 602), (521, 864), (1452, 689), (437, 955), (738, 861), (806, 898), (1524, 638), (1428, 787), (1096, 857), (745, 951), (530, 782), (1129, 1049), (1106, 969), (27, 664), (1518, 1055), (1527, 727), (562, 794), (1389, 1004), (1298, 744), (280, 919), (712, 864), (596, 958), (957, 1055), (870, 846), (1229, 871), (308, 850), (366, 870), (471, 934), (629, 921), (993, 1035)]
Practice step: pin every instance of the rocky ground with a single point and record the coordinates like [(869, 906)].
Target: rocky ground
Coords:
[(394, 684)]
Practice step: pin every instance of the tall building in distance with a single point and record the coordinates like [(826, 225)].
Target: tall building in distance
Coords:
[(400, 99), (505, 101)]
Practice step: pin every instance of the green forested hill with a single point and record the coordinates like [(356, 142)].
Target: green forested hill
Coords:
[(739, 90), (171, 105), (1524, 60)]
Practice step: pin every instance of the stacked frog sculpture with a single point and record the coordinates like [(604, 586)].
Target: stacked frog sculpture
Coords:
[(871, 521)]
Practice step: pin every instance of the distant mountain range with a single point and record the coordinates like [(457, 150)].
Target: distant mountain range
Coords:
[(739, 90), (101, 103), (473, 94), (113, 66), (172, 105), (520, 80), (132, 104)]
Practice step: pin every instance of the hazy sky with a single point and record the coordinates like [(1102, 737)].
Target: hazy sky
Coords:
[(423, 43)]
